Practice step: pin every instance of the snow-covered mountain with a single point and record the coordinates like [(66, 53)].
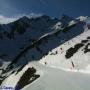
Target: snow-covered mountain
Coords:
[(16, 35), (29, 44)]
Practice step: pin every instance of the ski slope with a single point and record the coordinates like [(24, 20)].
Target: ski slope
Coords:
[(57, 79)]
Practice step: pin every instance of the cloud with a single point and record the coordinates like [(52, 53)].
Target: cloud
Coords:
[(5, 20)]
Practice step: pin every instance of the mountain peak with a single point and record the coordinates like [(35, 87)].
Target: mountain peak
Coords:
[(66, 19), (24, 18), (45, 16), (82, 18)]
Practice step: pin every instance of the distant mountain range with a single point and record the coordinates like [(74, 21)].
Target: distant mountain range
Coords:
[(62, 43)]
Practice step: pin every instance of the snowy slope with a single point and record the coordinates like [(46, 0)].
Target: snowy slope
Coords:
[(56, 79), (27, 73), (73, 54), (50, 79)]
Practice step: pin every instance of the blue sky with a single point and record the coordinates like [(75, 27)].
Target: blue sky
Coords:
[(49, 7)]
